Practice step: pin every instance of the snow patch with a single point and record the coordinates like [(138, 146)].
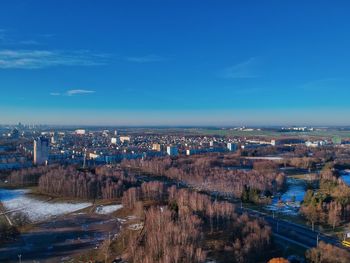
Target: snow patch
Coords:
[(136, 227), (121, 220), (37, 210), (107, 209)]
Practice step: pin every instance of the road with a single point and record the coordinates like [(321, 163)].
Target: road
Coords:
[(291, 232)]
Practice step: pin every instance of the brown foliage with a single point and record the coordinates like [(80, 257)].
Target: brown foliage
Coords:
[(250, 237), (166, 239), (326, 253), (28, 176), (70, 182), (199, 173), (278, 260)]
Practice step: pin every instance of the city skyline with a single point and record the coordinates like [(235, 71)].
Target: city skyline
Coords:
[(174, 63)]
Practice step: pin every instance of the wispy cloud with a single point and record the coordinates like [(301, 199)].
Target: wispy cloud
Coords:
[(79, 92), (8, 38), (73, 92), (36, 59), (145, 59), (245, 69)]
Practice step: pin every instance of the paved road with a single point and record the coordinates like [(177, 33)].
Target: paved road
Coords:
[(292, 232)]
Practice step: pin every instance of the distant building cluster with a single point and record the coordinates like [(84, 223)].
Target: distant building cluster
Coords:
[(28, 145)]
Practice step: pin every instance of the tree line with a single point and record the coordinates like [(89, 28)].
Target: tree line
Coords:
[(101, 183), (330, 203), (201, 174), (29, 176)]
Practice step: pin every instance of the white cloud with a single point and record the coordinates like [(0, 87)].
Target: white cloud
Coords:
[(72, 92), (35, 59), (145, 59), (245, 69), (79, 92)]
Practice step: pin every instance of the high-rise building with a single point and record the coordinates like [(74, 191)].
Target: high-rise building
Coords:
[(172, 150), (41, 150), (231, 147)]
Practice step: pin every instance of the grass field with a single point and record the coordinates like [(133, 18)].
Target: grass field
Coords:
[(264, 132), (272, 133)]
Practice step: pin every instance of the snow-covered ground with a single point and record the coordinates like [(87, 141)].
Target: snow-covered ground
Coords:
[(36, 210), (107, 209), (270, 158), (136, 227)]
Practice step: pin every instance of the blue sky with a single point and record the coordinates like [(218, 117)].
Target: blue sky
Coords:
[(175, 62)]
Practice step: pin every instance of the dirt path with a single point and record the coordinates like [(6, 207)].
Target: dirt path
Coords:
[(4, 213)]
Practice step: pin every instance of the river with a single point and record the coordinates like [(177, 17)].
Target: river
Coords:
[(345, 176), (288, 202)]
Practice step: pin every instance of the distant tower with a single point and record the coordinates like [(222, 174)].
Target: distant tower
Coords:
[(84, 163), (41, 151)]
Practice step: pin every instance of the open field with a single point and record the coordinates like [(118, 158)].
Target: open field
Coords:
[(264, 132), (272, 133)]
